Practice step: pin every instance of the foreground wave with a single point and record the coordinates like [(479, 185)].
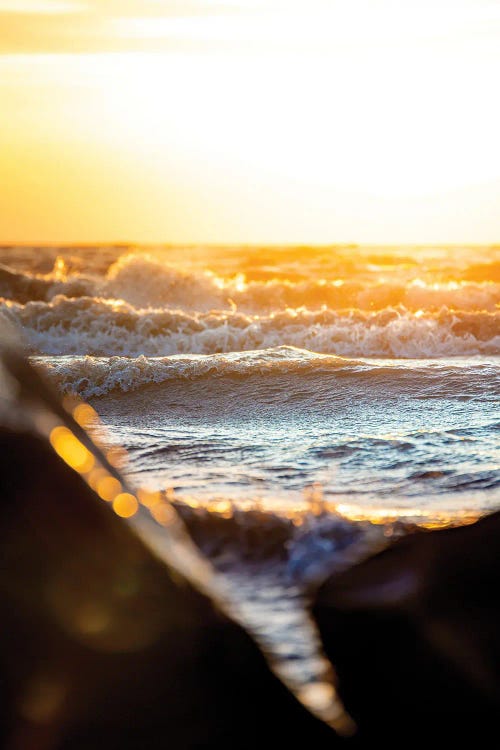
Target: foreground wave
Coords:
[(92, 377), (85, 666)]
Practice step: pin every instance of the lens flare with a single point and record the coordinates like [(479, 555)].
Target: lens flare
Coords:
[(71, 450), (125, 505), (108, 488)]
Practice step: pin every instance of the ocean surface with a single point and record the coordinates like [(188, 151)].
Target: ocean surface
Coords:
[(311, 384)]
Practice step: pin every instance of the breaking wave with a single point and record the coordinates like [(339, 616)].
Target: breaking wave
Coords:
[(101, 327), (92, 377), (145, 282)]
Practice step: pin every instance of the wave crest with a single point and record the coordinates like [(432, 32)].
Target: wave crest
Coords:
[(101, 327), (147, 283), (92, 377)]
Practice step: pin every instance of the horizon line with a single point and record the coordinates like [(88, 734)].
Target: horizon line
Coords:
[(4, 244)]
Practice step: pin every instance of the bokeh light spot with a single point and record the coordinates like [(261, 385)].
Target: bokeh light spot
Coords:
[(149, 498), (125, 505), (108, 488), (84, 414), (71, 450)]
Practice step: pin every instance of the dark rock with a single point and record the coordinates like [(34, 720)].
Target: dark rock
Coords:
[(413, 633), (102, 646)]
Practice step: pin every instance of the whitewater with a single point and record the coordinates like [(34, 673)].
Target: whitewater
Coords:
[(299, 406), (254, 374)]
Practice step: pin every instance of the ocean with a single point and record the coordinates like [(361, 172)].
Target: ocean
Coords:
[(336, 393)]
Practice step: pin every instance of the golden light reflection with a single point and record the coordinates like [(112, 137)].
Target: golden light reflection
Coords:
[(149, 498), (428, 519), (223, 508), (95, 476), (322, 697), (108, 488), (59, 272), (170, 494), (85, 415), (71, 450), (163, 513), (117, 456), (315, 504), (125, 505)]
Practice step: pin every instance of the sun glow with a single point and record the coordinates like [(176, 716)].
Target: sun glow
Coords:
[(50, 7), (272, 122)]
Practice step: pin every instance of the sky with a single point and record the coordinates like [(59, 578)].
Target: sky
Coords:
[(249, 121)]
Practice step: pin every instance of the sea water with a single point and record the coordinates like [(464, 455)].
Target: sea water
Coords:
[(363, 381)]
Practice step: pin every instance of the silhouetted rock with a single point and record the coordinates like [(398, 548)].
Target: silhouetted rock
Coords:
[(102, 646), (413, 633)]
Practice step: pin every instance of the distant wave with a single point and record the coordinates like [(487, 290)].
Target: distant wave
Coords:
[(146, 283), (141, 306), (24, 287), (92, 377), (100, 327)]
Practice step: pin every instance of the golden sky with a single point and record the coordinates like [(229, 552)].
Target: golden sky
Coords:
[(303, 121)]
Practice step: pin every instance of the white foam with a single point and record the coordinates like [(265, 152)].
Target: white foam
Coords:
[(90, 376), (98, 327), (96, 376), (147, 283)]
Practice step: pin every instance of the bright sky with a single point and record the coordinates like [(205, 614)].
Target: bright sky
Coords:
[(303, 121)]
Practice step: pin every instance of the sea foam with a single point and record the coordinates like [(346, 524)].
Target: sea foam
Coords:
[(92, 377), (101, 327), (145, 282)]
